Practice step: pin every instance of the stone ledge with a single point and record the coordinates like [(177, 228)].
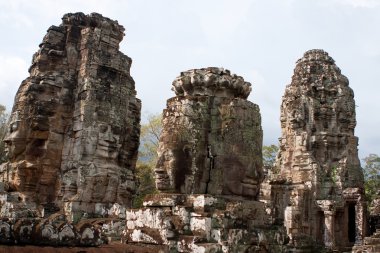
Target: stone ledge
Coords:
[(211, 82)]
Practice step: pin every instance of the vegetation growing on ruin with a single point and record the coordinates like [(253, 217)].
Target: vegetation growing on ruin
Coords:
[(371, 171), (149, 137), (269, 155), (3, 130)]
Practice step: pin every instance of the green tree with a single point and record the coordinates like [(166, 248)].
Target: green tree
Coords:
[(371, 171), (269, 155), (3, 130), (149, 138), (147, 159)]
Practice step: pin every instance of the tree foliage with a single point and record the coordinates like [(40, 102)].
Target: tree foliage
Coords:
[(149, 137), (371, 171), (3, 130), (269, 155), (147, 159)]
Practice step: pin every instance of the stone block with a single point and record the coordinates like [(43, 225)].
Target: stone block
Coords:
[(203, 202), (201, 226), (164, 200), (147, 235)]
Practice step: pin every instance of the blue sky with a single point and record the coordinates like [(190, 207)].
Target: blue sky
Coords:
[(259, 40)]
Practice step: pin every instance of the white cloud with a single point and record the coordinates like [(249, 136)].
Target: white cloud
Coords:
[(21, 13), (221, 19), (360, 3), (269, 104), (10, 15), (260, 93), (259, 40), (12, 72)]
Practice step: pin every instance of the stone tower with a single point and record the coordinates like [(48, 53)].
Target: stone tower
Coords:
[(319, 181), (211, 139), (74, 130), (209, 172)]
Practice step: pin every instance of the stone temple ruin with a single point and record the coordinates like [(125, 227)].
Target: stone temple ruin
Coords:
[(209, 172), (73, 140), (211, 138), (317, 186), (74, 129)]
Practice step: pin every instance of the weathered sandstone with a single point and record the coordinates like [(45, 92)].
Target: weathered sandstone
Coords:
[(211, 139), (74, 130), (73, 140), (317, 186), (209, 172)]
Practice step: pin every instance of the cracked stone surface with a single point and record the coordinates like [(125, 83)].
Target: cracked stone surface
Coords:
[(209, 172), (212, 137), (203, 223), (317, 179), (74, 129), (73, 140)]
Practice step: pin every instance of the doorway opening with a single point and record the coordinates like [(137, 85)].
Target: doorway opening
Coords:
[(351, 223), (321, 226)]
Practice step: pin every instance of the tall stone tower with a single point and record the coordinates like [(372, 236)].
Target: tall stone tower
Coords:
[(208, 173), (211, 139), (74, 130), (319, 181)]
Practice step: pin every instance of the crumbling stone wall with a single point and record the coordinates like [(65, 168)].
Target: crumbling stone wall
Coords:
[(209, 173), (53, 231), (371, 243), (211, 138), (319, 181), (73, 141), (196, 223), (74, 130)]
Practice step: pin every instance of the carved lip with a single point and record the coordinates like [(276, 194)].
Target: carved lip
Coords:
[(159, 170)]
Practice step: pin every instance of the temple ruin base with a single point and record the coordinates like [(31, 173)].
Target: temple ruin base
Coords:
[(203, 223)]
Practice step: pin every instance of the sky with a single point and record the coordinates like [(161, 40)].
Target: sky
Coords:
[(259, 40)]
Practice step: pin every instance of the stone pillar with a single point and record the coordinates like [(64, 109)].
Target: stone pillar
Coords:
[(292, 222), (329, 235), (360, 222)]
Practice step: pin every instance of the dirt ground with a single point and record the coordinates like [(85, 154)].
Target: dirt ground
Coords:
[(109, 248)]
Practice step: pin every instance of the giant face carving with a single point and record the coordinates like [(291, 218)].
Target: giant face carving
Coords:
[(211, 140)]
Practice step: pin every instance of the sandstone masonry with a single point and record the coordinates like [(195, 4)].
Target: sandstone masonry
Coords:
[(73, 140), (74, 130), (317, 186), (211, 139), (209, 172)]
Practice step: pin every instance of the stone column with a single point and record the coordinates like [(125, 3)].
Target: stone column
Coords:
[(360, 222), (292, 222), (329, 236)]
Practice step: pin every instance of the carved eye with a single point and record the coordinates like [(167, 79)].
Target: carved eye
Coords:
[(13, 127)]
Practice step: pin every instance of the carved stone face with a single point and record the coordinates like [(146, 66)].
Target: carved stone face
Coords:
[(163, 168), (241, 177), (24, 173), (97, 175), (75, 129), (15, 139), (199, 154), (174, 163), (108, 143)]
